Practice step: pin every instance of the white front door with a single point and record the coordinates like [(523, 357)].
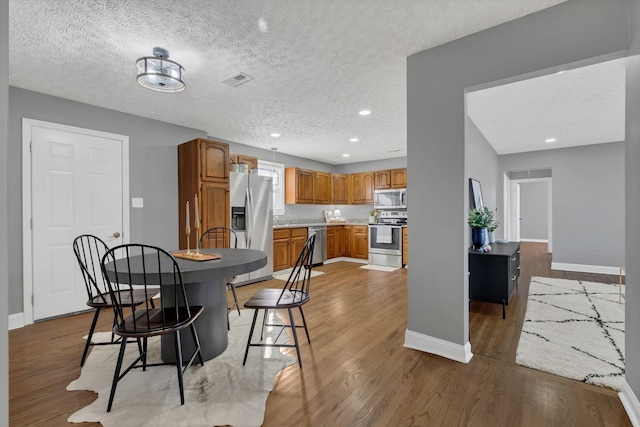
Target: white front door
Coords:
[(76, 188)]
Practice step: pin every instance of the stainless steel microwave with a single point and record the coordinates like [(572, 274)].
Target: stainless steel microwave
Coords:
[(390, 199)]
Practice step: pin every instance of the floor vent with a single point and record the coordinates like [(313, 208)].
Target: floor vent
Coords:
[(237, 79)]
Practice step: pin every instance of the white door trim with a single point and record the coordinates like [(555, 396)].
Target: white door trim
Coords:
[(27, 238)]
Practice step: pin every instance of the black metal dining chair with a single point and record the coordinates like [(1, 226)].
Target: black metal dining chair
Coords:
[(89, 251), (295, 293), (131, 266), (222, 237)]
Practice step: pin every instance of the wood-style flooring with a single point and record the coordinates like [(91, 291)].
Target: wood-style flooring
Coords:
[(356, 370)]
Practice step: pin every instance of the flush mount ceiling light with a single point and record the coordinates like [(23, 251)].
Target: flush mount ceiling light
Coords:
[(365, 112), (353, 140), (550, 140), (159, 73), (275, 135)]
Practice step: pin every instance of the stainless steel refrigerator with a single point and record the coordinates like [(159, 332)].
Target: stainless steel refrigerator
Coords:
[(252, 219)]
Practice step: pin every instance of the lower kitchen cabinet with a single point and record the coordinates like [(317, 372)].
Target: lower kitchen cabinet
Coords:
[(287, 245), (332, 247), (493, 276), (405, 246), (360, 242)]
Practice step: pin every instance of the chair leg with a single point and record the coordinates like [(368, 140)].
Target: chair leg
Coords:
[(116, 375), (253, 325), (196, 340), (304, 322), (264, 322), (143, 352), (235, 298), (179, 365), (295, 336), (88, 344)]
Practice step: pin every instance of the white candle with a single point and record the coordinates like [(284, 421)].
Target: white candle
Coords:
[(196, 210), (187, 222)]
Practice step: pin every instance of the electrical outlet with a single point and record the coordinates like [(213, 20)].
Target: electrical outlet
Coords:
[(137, 202)]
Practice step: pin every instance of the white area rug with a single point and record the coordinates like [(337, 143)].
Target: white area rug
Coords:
[(378, 267), (574, 329), (223, 392), (285, 276)]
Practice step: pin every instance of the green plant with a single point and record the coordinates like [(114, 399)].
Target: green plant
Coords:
[(493, 224), (480, 218), (373, 212)]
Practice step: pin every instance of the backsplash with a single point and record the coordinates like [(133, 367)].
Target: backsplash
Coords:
[(311, 214)]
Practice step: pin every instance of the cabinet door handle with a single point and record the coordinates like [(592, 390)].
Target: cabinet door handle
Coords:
[(513, 259), (513, 278), (518, 268)]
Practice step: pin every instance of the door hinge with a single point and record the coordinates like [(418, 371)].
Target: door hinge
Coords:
[(31, 223), (32, 299), (31, 146)]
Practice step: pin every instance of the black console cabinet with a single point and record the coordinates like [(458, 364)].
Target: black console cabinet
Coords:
[(493, 276)]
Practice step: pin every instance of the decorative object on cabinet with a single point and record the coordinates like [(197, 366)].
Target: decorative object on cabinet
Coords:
[(372, 216), (159, 73), (475, 191), (493, 276), (203, 170), (491, 228), (479, 219)]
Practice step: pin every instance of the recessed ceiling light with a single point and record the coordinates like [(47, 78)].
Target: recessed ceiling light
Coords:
[(560, 72), (263, 26), (345, 155), (275, 135), (353, 140), (365, 112), (550, 140)]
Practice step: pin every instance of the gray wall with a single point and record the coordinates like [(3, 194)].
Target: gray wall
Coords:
[(632, 316), (482, 164), (153, 169), (588, 191), (534, 210), (576, 30), (4, 202)]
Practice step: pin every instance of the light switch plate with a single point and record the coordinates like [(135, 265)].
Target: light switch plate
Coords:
[(137, 202)]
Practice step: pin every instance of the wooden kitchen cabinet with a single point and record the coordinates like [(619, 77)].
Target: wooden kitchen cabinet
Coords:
[(287, 245), (322, 188), (392, 178), (203, 169), (361, 187), (344, 240), (398, 178), (339, 189), (252, 162), (405, 246), (281, 258), (360, 242), (332, 247), (383, 180), (298, 186)]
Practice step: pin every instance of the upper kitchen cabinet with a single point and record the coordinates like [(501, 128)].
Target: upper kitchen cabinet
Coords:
[(339, 189), (214, 160), (321, 188), (250, 161), (398, 178), (361, 187), (203, 170), (298, 186), (392, 178)]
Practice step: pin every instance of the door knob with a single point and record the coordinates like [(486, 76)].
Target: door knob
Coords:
[(116, 234)]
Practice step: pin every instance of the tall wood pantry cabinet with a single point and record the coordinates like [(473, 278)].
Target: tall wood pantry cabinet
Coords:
[(203, 169)]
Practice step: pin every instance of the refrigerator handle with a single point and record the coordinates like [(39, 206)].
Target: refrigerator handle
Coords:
[(249, 216)]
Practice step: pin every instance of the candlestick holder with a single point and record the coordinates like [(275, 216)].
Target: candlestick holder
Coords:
[(197, 227), (188, 232)]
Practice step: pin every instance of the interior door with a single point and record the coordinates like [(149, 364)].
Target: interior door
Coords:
[(77, 188)]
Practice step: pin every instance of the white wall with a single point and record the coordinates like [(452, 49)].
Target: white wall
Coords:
[(534, 210)]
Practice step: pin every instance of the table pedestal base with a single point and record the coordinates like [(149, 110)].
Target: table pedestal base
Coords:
[(211, 325)]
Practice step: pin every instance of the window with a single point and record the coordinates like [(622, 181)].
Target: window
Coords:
[(275, 171)]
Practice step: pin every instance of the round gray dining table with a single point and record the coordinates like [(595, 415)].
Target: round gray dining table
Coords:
[(206, 285)]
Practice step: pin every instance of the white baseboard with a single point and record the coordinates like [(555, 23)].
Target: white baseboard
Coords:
[(457, 352), (16, 321), (630, 403), (535, 240), (583, 268)]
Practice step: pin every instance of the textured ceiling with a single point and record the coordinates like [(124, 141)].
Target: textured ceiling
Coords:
[(581, 106), (315, 63)]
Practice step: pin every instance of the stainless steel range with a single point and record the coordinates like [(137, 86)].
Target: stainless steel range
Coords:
[(385, 238)]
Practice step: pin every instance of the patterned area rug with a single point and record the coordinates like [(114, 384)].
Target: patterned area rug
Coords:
[(222, 392), (574, 329)]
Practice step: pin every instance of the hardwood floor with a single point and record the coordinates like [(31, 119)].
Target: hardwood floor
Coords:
[(356, 370)]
